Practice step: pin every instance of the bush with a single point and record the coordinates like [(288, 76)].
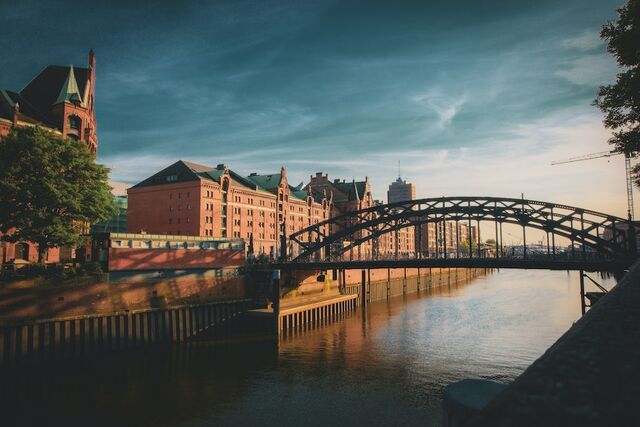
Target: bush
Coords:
[(91, 268)]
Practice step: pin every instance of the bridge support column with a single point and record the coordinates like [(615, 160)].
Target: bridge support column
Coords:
[(363, 289), (275, 288), (344, 279), (404, 283), (583, 306)]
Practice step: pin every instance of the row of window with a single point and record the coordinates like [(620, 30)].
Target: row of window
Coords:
[(187, 194), (178, 220), (188, 207), (248, 235), (158, 244)]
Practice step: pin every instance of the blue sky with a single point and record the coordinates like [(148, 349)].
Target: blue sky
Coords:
[(474, 98)]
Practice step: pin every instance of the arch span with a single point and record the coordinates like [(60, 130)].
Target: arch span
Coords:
[(610, 236)]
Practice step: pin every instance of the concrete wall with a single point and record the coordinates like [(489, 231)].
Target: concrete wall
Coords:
[(122, 291)]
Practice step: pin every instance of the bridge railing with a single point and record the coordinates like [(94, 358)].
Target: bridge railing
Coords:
[(507, 255)]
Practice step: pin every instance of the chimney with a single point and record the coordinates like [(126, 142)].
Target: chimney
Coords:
[(221, 166), (16, 110), (92, 58)]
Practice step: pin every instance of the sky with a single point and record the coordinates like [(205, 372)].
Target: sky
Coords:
[(473, 98)]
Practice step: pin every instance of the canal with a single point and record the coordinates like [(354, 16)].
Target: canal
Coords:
[(387, 366)]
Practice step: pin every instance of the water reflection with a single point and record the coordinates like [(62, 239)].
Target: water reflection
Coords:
[(387, 365)]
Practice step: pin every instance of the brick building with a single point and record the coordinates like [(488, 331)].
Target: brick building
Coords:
[(195, 200), (346, 196), (435, 238), (59, 98), (400, 191)]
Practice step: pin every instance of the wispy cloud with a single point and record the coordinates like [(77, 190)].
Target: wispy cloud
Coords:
[(589, 70), (588, 40), (444, 105)]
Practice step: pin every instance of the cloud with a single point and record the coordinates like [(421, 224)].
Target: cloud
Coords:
[(589, 70), (446, 107), (586, 41)]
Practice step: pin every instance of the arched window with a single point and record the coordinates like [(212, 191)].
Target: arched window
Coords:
[(75, 122)]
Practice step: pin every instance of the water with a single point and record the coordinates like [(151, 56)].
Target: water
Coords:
[(386, 367)]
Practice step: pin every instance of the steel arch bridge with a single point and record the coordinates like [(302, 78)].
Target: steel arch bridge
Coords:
[(610, 236)]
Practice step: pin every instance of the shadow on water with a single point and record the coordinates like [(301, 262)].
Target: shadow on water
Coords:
[(386, 365)]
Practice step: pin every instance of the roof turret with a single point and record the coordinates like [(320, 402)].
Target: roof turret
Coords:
[(70, 92)]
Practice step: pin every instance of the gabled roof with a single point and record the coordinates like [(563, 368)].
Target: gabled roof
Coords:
[(9, 99), (355, 190), (185, 171), (268, 182), (44, 90), (180, 171)]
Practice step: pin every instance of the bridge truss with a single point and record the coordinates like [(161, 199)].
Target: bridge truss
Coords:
[(610, 236)]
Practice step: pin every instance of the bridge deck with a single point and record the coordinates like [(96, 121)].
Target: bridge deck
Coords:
[(540, 264)]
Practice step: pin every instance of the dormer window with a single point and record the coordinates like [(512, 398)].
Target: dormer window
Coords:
[(75, 122)]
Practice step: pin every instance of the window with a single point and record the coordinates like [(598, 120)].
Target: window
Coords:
[(75, 122), (172, 178)]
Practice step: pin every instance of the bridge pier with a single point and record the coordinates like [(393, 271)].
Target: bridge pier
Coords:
[(583, 305), (276, 300), (364, 288)]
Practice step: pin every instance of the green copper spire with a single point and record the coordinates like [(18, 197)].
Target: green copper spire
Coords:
[(70, 92)]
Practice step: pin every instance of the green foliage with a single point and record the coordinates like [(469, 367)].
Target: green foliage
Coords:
[(463, 246), (50, 188), (621, 101), (491, 242), (90, 268)]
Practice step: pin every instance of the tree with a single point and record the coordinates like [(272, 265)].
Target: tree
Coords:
[(621, 101), (50, 188)]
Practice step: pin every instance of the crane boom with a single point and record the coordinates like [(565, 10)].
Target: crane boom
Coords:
[(586, 157), (627, 165)]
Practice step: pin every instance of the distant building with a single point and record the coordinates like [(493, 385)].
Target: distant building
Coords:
[(346, 196), (117, 223), (401, 191), (435, 239), (196, 200)]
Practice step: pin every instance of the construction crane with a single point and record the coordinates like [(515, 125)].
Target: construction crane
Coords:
[(627, 166)]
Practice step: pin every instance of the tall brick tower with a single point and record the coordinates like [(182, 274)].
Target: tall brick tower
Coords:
[(60, 98)]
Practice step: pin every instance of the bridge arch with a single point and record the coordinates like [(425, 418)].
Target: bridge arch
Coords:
[(610, 236)]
